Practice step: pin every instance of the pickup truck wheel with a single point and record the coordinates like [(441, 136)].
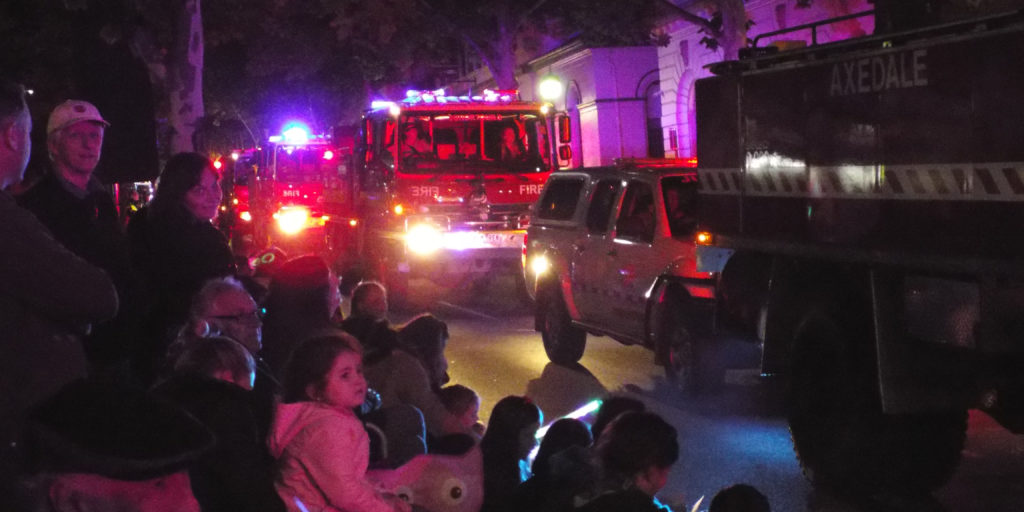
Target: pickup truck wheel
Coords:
[(563, 342), (843, 440)]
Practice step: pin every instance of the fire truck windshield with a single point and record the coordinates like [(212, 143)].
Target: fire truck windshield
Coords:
[(459, 143), (302, 164)]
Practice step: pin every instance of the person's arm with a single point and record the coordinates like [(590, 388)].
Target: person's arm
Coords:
[(49, 278), (335, 452)]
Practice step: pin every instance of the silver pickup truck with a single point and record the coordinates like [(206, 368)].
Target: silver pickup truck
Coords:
[(611, 251)]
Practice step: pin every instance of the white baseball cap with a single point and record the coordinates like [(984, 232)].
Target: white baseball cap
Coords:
[(71, 112)]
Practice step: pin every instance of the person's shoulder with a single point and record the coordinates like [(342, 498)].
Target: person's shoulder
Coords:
[(38, 192)]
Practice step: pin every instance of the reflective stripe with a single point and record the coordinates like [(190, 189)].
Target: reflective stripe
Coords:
[(996, 181)]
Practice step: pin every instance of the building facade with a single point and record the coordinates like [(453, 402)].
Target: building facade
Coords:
[(638, 101)]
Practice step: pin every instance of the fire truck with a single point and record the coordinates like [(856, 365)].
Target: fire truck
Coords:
[(445, 182), (862, 205), (299, 188)]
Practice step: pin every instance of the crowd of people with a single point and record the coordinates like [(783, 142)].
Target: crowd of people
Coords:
[(143, 371)]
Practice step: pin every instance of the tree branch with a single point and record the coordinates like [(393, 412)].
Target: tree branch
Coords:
[(692, 18)]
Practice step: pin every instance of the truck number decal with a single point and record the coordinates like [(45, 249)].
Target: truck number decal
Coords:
[(425, 191), (529, 189), (290, 193)]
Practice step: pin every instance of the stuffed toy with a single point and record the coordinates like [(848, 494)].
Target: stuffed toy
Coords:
[(437, 483)]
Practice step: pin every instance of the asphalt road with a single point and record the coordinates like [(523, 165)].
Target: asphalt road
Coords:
[(737, 434)]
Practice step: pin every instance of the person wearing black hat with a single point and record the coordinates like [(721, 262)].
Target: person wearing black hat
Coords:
[(48, 299), (96, 446)]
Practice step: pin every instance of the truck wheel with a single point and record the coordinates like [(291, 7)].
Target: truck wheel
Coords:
[(563, 342), (679, 356), (842, 438)]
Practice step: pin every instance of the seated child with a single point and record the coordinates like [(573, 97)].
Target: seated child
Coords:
[(464, 404)]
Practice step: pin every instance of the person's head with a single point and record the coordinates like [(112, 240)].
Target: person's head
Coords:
[(739, 498), (510, 137), (562, 434), (15, 130), (304, 284), (461, 402), (218, 358), (223, 306), (95, 446), (611, 407), (328, 370), (370, 299), (74, 139), (426, 336), (189, 185), (512, 427), (639, 448)]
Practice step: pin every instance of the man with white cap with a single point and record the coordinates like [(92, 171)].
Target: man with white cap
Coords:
[(80, 213)]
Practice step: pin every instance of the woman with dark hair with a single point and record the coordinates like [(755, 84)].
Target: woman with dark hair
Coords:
[(321, 447), (508, 441), (176, 248), (302, 299), (561, 468)]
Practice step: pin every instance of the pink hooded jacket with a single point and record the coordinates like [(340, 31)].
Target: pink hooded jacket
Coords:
[(322, 455)]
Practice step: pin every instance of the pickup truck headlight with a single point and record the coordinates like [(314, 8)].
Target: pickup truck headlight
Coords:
[(423, 239), (540, 265)]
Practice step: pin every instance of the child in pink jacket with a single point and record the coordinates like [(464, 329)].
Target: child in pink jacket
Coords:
[(322, 449)]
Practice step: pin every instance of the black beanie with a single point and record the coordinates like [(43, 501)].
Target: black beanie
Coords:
[(117, 432)]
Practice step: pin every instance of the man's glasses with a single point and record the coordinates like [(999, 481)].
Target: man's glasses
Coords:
[(254, 316)]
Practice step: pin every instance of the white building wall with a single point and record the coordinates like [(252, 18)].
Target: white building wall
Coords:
[(683, 61), (604, 90)]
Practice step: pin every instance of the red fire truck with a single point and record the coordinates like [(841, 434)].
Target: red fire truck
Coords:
[(300, 184), (445, 182), (862, 205)]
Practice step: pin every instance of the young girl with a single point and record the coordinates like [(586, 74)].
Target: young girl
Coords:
[(510, 436), (321, 447)]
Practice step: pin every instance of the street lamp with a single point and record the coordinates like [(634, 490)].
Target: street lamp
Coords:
[(550, 88)]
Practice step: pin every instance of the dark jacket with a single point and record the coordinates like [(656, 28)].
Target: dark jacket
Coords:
[(175, 256), (48, 299), (622, 501), (238, 474), (87, 224)]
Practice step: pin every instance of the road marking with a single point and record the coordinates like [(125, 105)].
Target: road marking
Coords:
[(469, 311)]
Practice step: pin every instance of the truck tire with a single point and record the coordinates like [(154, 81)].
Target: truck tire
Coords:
[(679, 348), (564, 343), (844, 441)]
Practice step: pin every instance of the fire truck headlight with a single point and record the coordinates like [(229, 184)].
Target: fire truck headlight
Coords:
[(540, 265), (292, 220), (423, 239), (246, 216)]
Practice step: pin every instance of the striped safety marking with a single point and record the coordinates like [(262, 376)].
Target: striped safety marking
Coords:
[(949, 182)]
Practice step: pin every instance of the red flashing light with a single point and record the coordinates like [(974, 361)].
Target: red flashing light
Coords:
[(328, 155), (217, 164)]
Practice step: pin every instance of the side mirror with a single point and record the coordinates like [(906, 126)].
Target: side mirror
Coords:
[(564, 129), (564, 152)]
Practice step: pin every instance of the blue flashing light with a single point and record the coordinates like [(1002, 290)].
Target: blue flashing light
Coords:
[(381, 104), (296, 133)]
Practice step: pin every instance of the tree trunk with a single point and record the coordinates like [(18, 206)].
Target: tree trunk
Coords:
[(499, 51), (734, 28), (185, 77)]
